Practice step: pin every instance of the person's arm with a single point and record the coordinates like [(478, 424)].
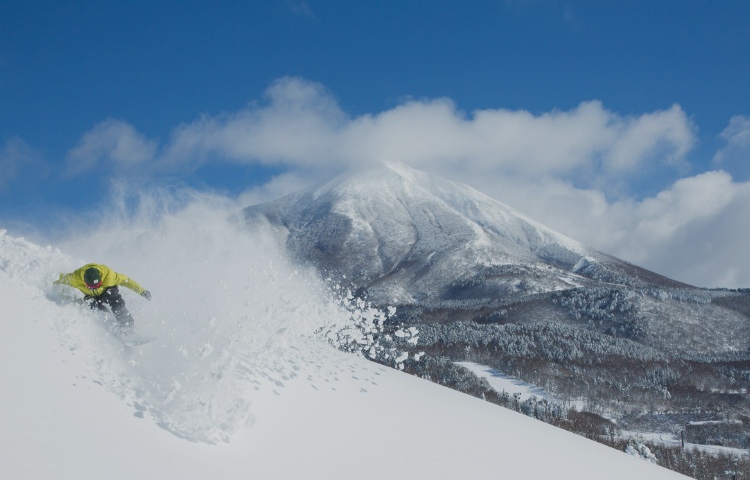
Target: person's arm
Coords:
[(125, 281), (64, 279), (72, 280)]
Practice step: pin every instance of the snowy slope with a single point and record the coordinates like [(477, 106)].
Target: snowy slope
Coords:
[(410, 236), (237, 385)]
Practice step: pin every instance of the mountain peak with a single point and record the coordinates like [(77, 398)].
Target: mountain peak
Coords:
[(409, 236), (385, 176)]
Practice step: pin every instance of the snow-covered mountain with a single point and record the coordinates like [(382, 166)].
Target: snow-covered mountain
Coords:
[(484, 283), (237, 384), (406, 236)]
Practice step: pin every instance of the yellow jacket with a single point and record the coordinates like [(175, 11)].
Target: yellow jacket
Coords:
[(110, 278)]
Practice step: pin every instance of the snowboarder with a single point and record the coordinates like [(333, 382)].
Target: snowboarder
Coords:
[(99, 285)]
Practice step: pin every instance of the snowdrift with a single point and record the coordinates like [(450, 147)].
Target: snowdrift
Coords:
[(239, 382)]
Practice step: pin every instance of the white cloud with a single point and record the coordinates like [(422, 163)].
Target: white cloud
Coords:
[(281, 185), (296, 127), (560, 167), (695, 230), (737, 138), (301, 124), (110, 143), (664, 134), (688, 200)]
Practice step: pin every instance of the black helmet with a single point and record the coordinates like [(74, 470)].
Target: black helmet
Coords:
[(93, 278)]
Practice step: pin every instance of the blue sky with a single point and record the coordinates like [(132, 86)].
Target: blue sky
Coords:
[(625, 125)]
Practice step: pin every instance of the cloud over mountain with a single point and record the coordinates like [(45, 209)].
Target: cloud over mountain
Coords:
[(406, 236), (582, 171)]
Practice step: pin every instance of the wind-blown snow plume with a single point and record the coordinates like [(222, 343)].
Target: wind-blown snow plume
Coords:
[(229, 314)]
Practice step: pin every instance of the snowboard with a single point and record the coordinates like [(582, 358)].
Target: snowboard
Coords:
[(135, 340), (128, 336)]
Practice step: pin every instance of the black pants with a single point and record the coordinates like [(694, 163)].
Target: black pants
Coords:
[(111, 297)]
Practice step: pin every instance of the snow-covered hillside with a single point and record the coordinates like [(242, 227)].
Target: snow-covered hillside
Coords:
[(238, 384), (411, 237)]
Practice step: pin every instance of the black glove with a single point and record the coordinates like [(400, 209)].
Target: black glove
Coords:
[(146, 294)]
